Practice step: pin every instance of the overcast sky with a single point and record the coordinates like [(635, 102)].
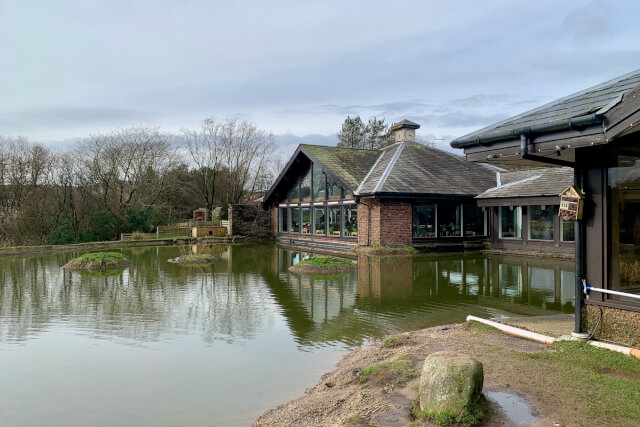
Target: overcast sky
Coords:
[(72, 68)]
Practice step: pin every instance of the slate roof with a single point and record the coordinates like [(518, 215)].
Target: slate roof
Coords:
[(412, 168), (531, 183), (348, 164), (597, 99)]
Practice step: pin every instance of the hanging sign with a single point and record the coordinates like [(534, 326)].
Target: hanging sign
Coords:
[(571, 204)]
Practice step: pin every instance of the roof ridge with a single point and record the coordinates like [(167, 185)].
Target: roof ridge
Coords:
[(340, 148), (357, 192), (509, 184), (389, 167)]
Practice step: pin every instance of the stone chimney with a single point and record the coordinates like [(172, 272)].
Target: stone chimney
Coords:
[(405, 131)]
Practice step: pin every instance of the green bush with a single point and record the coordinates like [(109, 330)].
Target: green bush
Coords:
[(102, 226)]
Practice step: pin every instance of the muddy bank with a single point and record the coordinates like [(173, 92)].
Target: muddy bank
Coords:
[(536, 375), (33, 250)]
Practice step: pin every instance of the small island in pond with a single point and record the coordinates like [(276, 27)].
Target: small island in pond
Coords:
[(98, 261), (193, 259), (323, 265)]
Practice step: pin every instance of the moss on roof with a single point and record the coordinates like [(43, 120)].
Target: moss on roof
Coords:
[(348, 164)]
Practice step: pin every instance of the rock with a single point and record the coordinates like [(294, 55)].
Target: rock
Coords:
[(451, 384)]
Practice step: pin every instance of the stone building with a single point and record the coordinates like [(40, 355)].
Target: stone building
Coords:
[(405, 194)]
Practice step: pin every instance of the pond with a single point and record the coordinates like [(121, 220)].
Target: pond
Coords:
[(165, 344)]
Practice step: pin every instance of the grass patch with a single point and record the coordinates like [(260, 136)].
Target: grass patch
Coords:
[(98, 261), (477, 412), (356, 420), (323, 265), (395, 372), (609, 381), (191, 259), (393, 341)]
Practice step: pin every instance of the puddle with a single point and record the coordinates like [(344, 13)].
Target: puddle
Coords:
[(513, 406)]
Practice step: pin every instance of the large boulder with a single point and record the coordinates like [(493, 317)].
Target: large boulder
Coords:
[(451, 384)]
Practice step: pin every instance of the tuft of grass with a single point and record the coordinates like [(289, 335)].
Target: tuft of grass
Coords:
[(327, 262), (98, 260), (476, 412), (392, 371), (108, 257), (393, 341)]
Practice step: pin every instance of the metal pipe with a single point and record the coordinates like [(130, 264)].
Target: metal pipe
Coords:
[(579, 251), (524, 153), (567, 124), (610, 292)]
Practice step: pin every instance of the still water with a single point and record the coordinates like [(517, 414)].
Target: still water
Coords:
[(164, 344)]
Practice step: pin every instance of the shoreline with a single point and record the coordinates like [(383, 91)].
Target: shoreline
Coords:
[(34, 250), (557, 389)]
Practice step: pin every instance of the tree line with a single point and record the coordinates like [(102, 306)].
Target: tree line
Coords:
[(128, 180)]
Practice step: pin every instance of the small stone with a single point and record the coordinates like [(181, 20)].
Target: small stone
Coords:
[(451, 383)]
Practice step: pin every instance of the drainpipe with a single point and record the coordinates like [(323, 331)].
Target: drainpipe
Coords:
[(579, 250)]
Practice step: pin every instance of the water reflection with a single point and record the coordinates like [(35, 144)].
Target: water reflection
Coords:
[(156, 339), (234, 298)]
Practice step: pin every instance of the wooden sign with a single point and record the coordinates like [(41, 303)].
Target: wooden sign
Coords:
[(571, 204)]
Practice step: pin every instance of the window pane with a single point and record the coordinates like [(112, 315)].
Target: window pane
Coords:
[(305, 186), (319, 184), (334, 220), (540, 222), (424, 220), (473, 220), (567, 231), (334, 189), (294, 194), (448, 219), (350, 220), (306, 220), (320, 221), (283, 220), (510, 222), (295, 220), (624, 185)]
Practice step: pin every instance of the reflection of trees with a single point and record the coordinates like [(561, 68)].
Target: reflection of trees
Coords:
[(149, 301), (233, 298)]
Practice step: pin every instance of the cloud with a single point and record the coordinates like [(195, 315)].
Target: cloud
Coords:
[(77, 117)]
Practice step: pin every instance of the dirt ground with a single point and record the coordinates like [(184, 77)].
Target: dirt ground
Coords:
[(511, 364)]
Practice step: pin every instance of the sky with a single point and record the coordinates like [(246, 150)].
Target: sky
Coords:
[(69, 69)]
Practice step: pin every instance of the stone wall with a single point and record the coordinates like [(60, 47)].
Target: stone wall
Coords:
[(390, 222), (250, 220), (619, 326)]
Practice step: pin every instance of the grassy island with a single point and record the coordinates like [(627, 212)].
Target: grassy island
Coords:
[(98, 261), (193, 259), (323, 265)]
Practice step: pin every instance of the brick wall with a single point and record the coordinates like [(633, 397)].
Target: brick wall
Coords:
[(250, 220), (390, 222)]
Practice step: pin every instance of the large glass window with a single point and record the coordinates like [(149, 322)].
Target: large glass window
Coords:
[(334, 220), (449, 219), (319, 184), (424, 219), (350, 220), (305, 187), (567, 231), (624, 186), (295, 220), (306, 220), (334, 190), (510, 223), (294, 192), (283, 219), (319, 221), (473, 217), (540, 222)]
